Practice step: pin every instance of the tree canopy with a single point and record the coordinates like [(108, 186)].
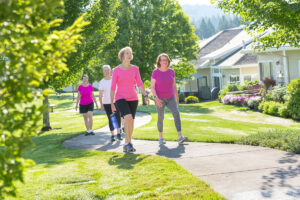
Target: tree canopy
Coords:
[(31, 53), (151, 27), (280, 17)]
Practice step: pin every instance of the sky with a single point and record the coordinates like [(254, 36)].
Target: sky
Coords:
[(194, 2)]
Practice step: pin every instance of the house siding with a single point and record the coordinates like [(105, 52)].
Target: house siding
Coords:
[(293, 59)]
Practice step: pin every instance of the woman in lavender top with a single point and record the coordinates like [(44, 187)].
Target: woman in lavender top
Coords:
[(86, 105), (164, 90)]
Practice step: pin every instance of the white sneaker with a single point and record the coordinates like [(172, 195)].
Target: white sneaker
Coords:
[(161, 141), (182, 139)]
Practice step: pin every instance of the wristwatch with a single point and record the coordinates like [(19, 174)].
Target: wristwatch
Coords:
[(146, 95), (154, 97)]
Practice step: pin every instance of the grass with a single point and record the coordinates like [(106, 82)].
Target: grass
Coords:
[(212, 122), (286, 140), (63, 173)]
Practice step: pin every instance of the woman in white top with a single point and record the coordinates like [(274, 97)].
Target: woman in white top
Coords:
[(105, 101)]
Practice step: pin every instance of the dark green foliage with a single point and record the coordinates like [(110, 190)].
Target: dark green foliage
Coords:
[(228, 88), (191, 99), (276, 94), (247, 85), (286, 140), (279, 15)]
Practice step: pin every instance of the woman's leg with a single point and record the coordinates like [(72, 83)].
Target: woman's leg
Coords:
[(86, 122), (133, 107), (128, 127), (107, 108), (90, 120), (172, 105), (160, 118)]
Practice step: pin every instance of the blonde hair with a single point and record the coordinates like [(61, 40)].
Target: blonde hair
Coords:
[(158, 60), (122, 52)]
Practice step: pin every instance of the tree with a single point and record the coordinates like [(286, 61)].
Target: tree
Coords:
[(32, 54), (281, 16), (223, 24), (183, 71), (152, 27), (97, 35)]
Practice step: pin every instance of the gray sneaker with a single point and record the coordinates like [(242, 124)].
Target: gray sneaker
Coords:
[(182, 139), (126, 148), (161, 141), (130, 148)]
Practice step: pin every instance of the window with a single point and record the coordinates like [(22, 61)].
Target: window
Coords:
[(235, 78), (247, 78), (202, 81), (266, 70)]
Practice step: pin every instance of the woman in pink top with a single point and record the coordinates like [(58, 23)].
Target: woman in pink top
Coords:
[(123, 92), (164, 90), (86, 105)]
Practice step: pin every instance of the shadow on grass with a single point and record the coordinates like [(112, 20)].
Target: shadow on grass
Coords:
[(171, 152), (48, 149), (280, 178), (126, 161), (183, 108)]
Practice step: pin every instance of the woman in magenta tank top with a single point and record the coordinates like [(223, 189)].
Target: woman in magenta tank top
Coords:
[(164, 90), (123, 92), (86, 101)]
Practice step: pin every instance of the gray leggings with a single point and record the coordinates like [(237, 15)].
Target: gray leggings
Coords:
[(172, 105)]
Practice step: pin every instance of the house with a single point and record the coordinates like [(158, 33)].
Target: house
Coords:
[(220, 61), (280, 64)]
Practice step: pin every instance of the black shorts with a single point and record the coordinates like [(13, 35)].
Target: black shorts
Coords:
[(127, 107), (86, 108)]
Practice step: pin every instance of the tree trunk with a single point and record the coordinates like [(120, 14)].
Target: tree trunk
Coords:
[(46, 118), (73, 92), (143, 99)]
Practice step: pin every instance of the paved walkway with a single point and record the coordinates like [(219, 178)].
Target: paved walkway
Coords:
[(237, 172)]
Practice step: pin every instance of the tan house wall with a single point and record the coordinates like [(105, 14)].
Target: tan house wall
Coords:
[(249, 71), (226, 73)]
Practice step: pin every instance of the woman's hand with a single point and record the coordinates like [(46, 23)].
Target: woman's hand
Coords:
[(76, 107), (158, 102), (113, 108), (147, 101), (102, 107)]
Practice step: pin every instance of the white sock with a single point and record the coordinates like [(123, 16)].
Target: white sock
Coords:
[(126, 143), (89, 131)]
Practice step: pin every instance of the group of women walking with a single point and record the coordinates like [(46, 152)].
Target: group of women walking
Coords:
[(117, 94)]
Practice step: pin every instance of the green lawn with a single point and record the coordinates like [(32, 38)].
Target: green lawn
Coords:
[(212, 122), (63, 173)]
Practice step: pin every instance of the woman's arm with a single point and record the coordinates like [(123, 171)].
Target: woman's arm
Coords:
[(78, 98), (153, 90), (94, 99), (101, 92), (176, 92)]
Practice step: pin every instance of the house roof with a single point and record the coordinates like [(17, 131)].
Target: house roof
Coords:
[(215, 43)]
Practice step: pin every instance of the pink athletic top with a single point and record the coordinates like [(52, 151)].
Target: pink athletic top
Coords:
[(123, 82), (86, 94), (164, 83)]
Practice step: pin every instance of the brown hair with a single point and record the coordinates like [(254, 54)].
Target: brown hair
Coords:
[(159, 57), (122, 52)]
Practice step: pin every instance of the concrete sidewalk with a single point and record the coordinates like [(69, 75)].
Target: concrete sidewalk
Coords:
[(237, 172)]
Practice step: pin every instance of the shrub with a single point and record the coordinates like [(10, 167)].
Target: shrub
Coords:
[(283, 111), (191, 99), (228, 88), (253, 102), (293, 98), (268, 83), (274, 108), (276, 94), (261, 106), (235, 100), (286, 140), (248, 84)]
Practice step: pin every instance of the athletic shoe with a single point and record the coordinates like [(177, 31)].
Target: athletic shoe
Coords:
[(86, 134), (126, 148), (182, 139), (119, 136), (92, 133), (123, 129), (161, 141), (130, 148), (112, 139)]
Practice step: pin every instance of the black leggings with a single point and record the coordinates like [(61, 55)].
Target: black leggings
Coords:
[(107, 108)]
